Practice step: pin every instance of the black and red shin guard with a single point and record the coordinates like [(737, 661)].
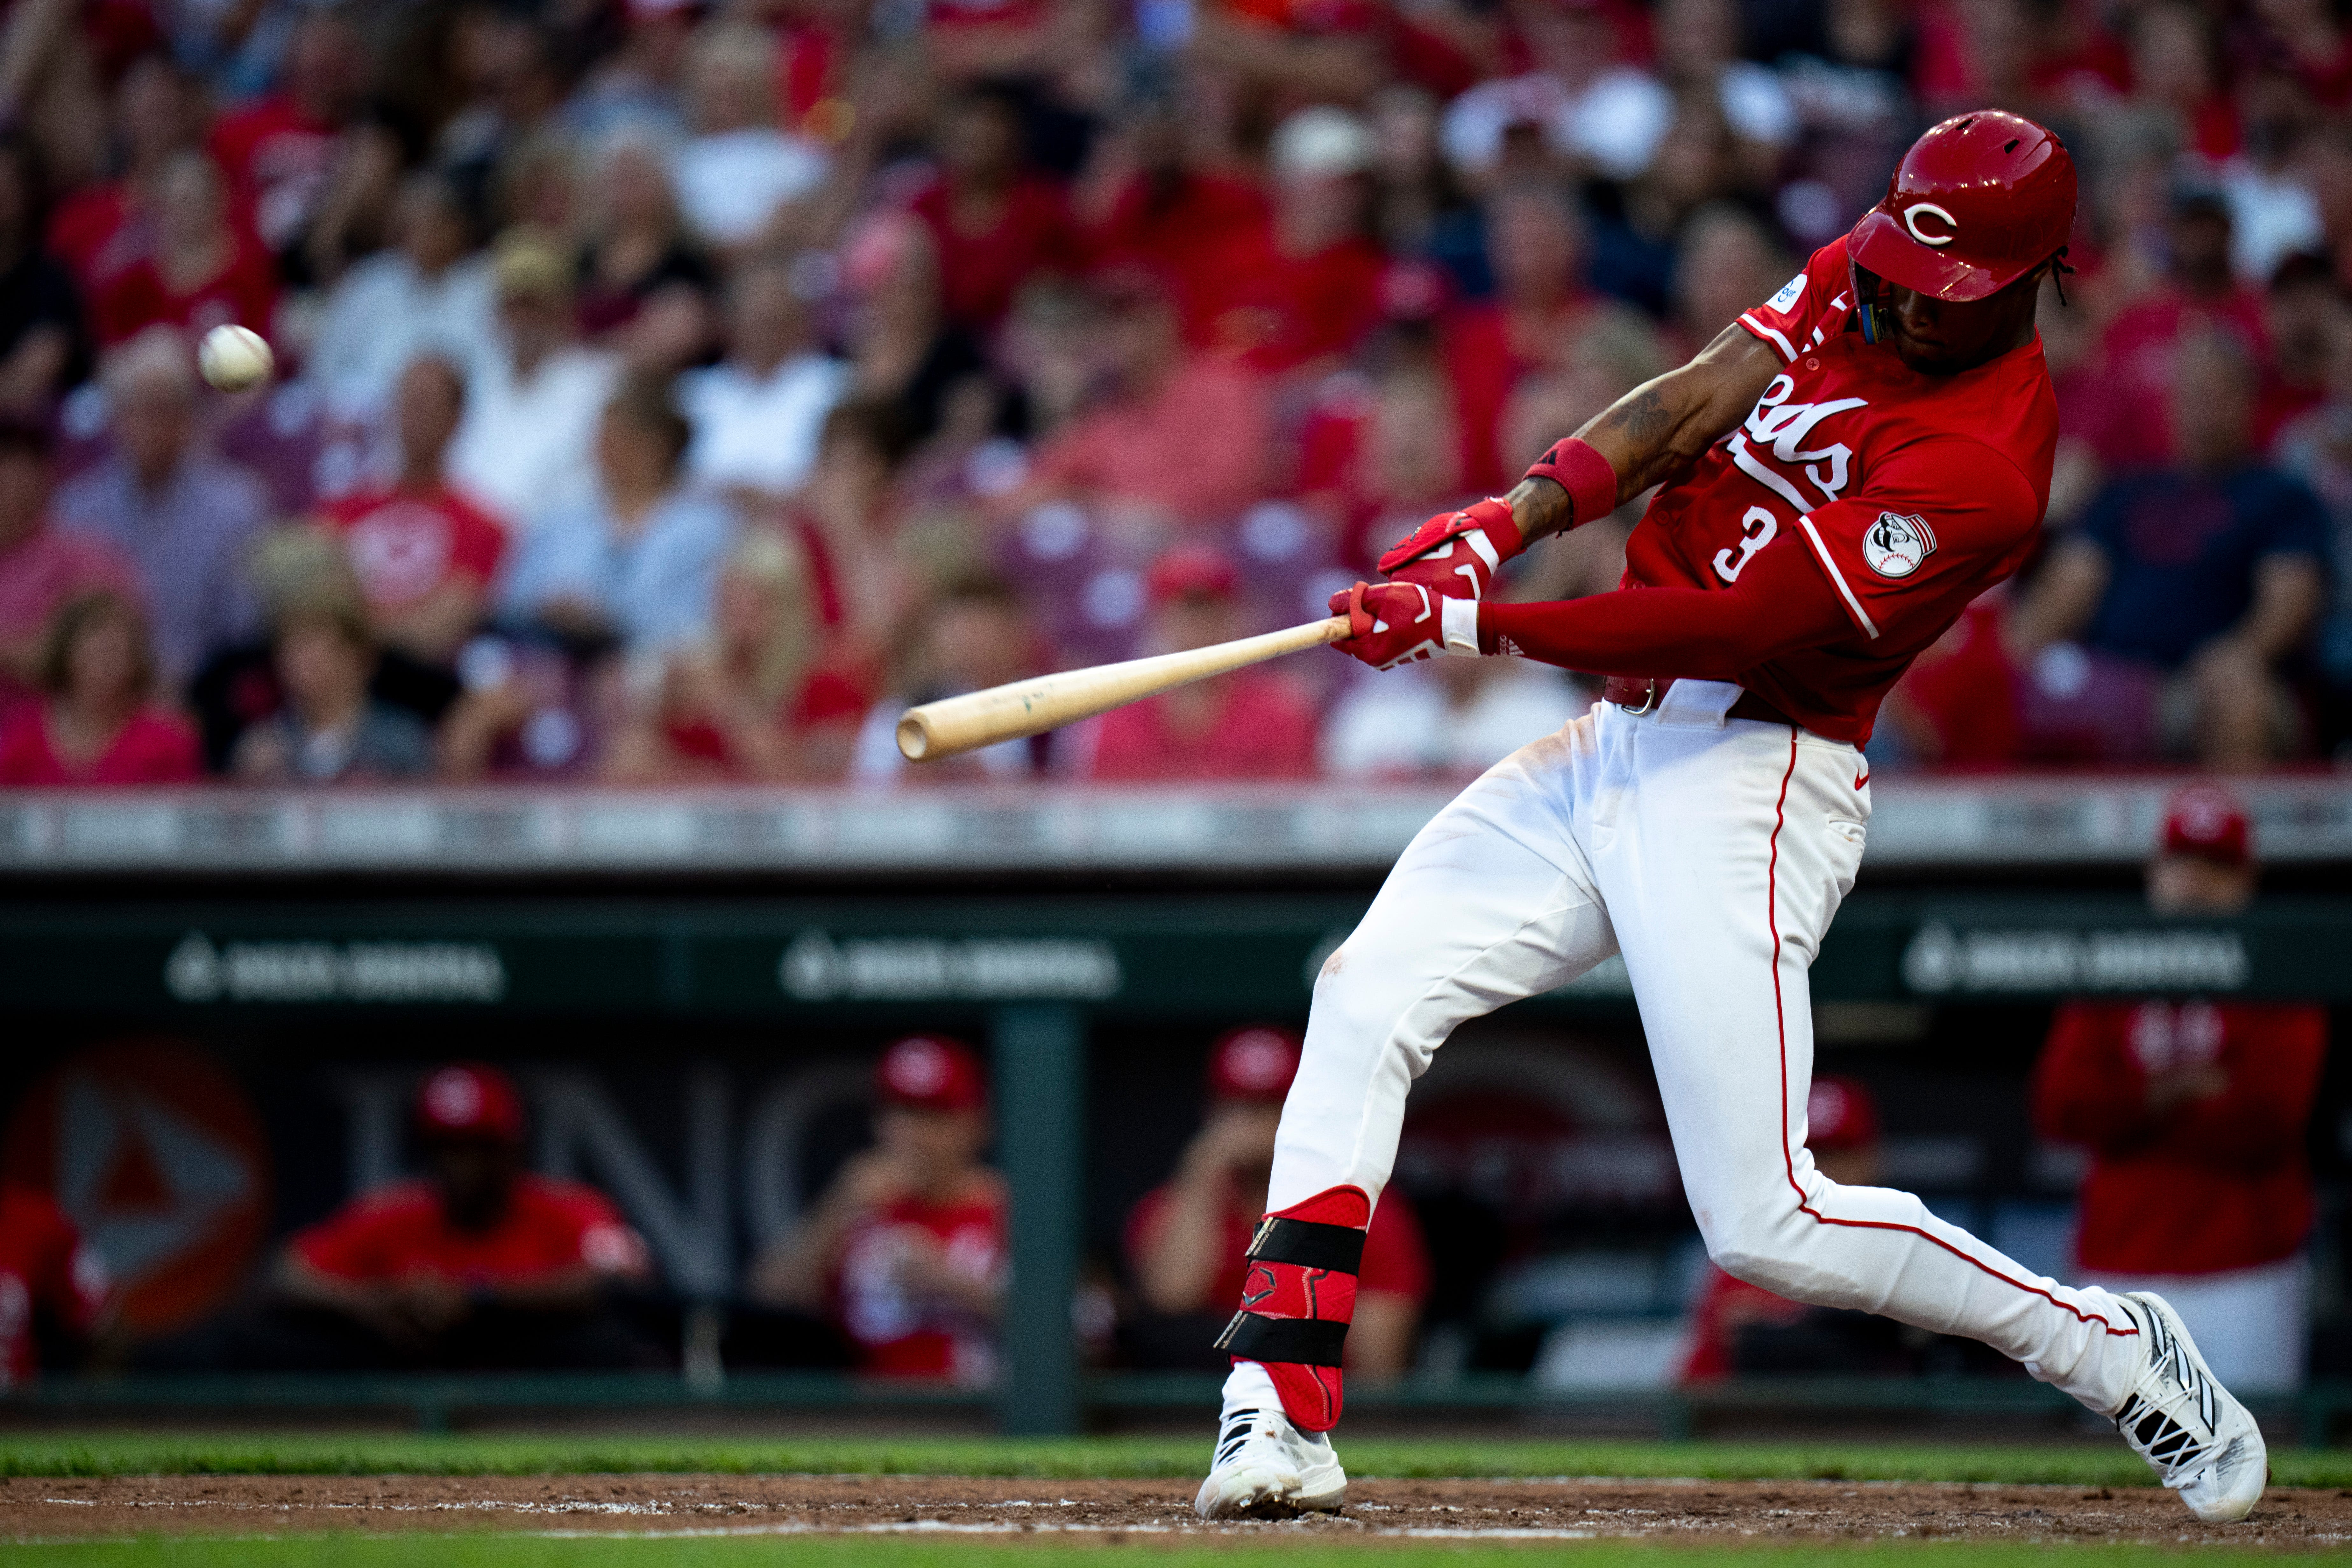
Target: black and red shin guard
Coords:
[(1298, 1298)]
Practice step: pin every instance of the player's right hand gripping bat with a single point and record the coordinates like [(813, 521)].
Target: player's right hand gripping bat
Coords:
[(1044, 702)]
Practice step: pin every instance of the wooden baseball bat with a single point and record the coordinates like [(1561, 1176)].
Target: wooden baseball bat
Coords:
[(1032, 707)]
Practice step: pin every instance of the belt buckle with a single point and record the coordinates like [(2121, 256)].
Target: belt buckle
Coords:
[(1648, 702)]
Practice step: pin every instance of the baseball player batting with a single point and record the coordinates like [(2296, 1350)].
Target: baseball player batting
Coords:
[(1843, 471)]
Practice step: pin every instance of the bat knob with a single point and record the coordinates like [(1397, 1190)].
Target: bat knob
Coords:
[(914, 737)]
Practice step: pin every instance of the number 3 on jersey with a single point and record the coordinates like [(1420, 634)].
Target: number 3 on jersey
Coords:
[(1756, 532)]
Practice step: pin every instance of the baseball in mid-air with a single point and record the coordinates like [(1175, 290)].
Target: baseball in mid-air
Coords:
[(234, 358)]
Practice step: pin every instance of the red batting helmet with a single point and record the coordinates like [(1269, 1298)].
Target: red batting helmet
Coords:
[(1978, 202)]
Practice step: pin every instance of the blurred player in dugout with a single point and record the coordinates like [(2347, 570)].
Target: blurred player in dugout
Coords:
[(2194, 1112), (479, 1264), (57, 1300), (907, 1249), (1185, 1239)]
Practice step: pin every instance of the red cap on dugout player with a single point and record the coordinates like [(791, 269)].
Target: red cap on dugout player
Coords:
[(470, 1100), (1255, 1062), (931, 1072), (1840, 1113), (2206, 820)]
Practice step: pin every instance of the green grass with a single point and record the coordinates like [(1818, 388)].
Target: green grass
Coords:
[(348, 1454), (898, 1551)]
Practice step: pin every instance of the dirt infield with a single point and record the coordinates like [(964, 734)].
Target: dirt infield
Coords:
[(35, 1509)]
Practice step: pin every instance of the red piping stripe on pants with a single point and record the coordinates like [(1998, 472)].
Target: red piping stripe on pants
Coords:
[(1788, 1156)]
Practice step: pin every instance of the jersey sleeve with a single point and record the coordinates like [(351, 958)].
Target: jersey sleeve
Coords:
[(1809, 307), (345, 1243), (1935, 517), (606, 1243), (2273, 1064), (2087, 1089), (476, 543)]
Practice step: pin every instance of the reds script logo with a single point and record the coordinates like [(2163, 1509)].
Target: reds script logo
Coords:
[(1783, 428), (1896, 544)]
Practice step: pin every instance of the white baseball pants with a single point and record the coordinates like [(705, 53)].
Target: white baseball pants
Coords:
[(1712, 854)]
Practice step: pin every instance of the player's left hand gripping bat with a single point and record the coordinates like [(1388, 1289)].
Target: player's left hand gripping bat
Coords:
[(1032, 707)]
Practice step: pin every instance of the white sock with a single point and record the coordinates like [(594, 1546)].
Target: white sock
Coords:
[(1248, 1387)]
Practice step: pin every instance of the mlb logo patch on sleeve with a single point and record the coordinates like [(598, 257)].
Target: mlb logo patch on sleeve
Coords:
[(1896, 544), (1791, 292)]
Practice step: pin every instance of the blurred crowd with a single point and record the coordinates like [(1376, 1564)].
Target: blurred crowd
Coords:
[(671, 391)]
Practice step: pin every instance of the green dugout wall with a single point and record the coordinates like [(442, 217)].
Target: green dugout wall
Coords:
[(1032, 973)]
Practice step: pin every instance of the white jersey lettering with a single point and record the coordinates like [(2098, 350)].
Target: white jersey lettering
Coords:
[(1755, 530), (1786, 425)]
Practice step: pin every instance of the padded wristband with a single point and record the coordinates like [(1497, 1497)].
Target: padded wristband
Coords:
[(1578, 468)]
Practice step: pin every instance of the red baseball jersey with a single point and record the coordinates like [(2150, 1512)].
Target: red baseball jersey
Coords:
[(403, 546), (2216, 1180), (1913, 493), (549, 1226), (46, 1269), (902, 1329)]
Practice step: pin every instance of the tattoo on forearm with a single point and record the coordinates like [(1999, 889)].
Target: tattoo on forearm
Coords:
[(1539, 506), (1638, 433), (1643, 416)]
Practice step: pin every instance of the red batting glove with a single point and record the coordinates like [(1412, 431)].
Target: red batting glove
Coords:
[(1390, 623), (1455, 553)]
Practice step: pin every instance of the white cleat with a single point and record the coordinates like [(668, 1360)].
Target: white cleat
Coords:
[(1265, 1468), (2199, 1440)]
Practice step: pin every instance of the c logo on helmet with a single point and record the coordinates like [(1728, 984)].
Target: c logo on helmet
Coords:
[(1911, 216)]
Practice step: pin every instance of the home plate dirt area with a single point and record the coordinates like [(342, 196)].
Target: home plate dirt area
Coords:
[(35, 1509)]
